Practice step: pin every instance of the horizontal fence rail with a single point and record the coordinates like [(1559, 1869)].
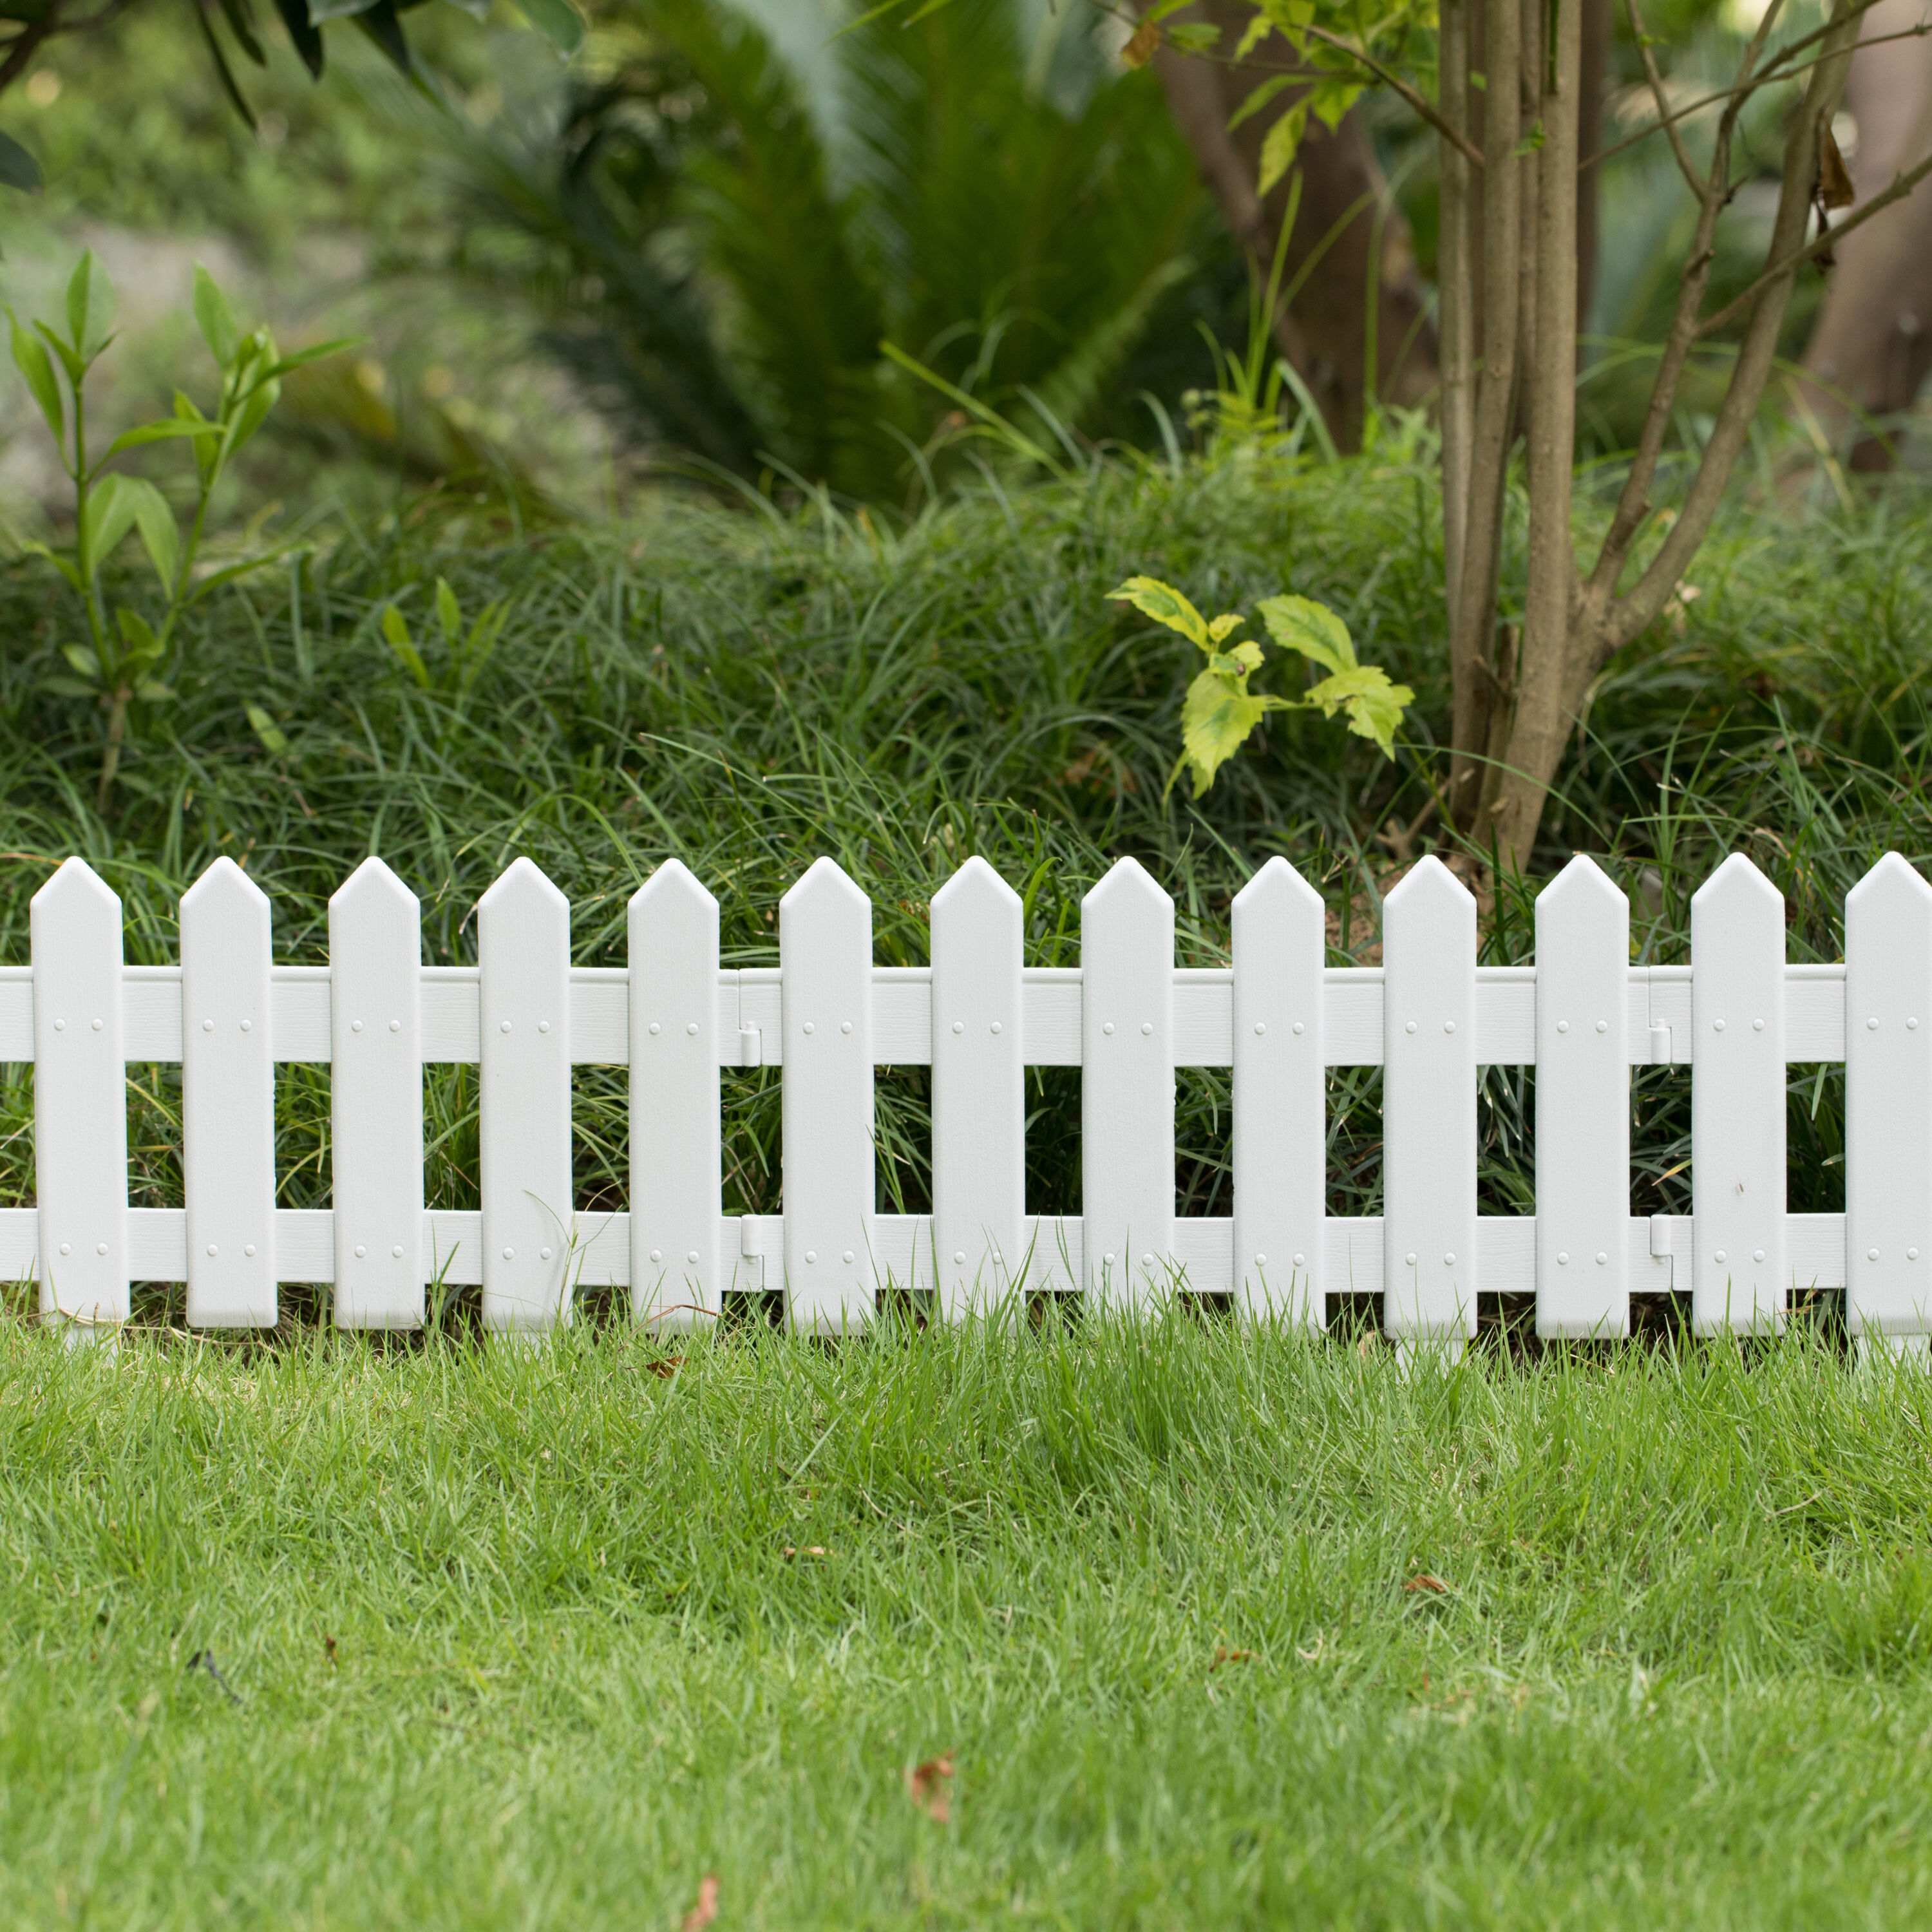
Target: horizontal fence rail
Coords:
[(1582, 1016)]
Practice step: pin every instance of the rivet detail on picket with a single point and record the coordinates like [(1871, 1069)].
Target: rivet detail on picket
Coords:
[(1738, 1282), (677, 1147), (228, 1101), (80, 1099), (1583, 1102), (1888, 1101), (523, 945), (978, 1094), (1126, 1088), (375, 948), (1280, 1083), (825, 954), (1429, 968)]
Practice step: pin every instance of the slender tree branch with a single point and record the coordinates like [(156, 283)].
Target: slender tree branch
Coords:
[(1653, 74), (1418, 104), (1902, 185), (1624, 617), (26, 43)]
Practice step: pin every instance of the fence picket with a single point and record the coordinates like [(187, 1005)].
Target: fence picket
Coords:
[(523, 947), (1888, 1104), (1429, 1108), (1582, 1104), (376, 1105), (1126, 1086), (1280, 1097), (1737, 1102), (978, 1091), (825, 960), (228, 1101), (677, 1152), (80, 1098)]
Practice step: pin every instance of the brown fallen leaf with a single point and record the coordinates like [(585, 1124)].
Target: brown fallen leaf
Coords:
[(666, 1365), (701, 1914), (810, 1549), (1223, 1654), (1139, 50), (926, 1786), (329, 1649), (1425, 1582)]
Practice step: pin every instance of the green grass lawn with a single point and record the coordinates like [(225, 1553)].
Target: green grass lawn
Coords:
[(517, 1637), (1682, 1671)]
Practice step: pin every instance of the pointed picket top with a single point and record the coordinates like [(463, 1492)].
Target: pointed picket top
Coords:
[(524, 885), (223, 886), (1429, 884), (1893, 882), (76, 886), (1277, 886), (1582, 881), (372, 884), (824, 885), (673, 884), (1736, 889), (975, 886), (1126, 883)]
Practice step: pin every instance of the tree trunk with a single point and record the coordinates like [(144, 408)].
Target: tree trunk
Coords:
[(1872, 347), (1345, 204)]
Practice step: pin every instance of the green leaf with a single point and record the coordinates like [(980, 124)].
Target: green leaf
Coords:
[(138, 634), (1195, 37), (64, 565), (18, 168), (110, 516), (235, 12), (1301, 624), (30, 358), (261, 399), (90, 306), (152, 691), (1373, 704), (68, 360), (1215, 718), (164, 431), (396, 629), (1258, 30), (219, 328), (267, 731), (1164, 605), (297, 358), (483, 635), (1261, 96), (82, 657), (558, 22), (1228, 620), (449, 614), (1530, 142), (1278, 149), (160, 538), (69, 687)]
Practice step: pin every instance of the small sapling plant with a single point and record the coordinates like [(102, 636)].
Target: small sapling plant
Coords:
[(1220, 711), (130, 652)]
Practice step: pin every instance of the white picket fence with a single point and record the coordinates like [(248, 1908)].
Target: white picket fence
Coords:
[(1430, 1016)]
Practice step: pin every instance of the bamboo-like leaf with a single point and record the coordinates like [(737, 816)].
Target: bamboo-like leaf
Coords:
[(90, 306), (30, 358), (219, 328), (111, 505)]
